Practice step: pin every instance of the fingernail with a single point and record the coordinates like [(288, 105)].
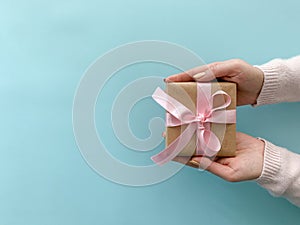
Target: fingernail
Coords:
[(164, 79), (198, 75), (194, 163)]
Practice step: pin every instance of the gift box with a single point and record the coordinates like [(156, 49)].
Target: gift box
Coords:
[(200, 119)]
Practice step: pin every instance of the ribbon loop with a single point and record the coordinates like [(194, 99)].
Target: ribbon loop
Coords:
[(177, 114)]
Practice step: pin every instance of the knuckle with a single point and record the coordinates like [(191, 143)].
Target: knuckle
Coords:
[(237, 63), (232, 178), (213, 67)]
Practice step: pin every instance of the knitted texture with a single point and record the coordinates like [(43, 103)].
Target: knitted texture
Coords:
[(281, 169)]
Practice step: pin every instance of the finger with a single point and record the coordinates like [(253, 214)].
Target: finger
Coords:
[(218, 169), (225, 70), (180, 77), (163, 134), (186, 160), (187, 75), (224, 161), (193, 162)]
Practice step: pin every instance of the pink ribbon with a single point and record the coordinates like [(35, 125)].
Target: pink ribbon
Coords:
[(177, 114)]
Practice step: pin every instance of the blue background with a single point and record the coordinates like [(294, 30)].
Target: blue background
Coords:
[(45, 47)]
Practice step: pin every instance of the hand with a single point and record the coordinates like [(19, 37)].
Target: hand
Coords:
[(248, 78), (246, 165)]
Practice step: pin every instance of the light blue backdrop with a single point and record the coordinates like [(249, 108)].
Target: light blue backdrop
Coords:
[(45, 48)]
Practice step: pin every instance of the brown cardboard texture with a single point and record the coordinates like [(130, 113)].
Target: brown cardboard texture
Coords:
[(186, 93)]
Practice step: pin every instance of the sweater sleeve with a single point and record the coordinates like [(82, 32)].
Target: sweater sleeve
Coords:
[(281, 81), (281, 173), (281, 169)]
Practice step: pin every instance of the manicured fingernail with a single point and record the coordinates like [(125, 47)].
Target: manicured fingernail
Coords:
[(198, 75), (194, 163), (164, 79)]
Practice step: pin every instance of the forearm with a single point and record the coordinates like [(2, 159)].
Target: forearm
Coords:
[(281, 173), (281, 81)]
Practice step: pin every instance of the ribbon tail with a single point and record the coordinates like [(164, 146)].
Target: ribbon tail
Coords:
[(208, 143), (172, 121), (176, 146)]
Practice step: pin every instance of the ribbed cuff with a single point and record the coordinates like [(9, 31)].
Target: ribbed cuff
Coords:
[(272, 163), (270, 86)]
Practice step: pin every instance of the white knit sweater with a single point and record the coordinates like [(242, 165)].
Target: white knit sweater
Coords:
[(281, 169)]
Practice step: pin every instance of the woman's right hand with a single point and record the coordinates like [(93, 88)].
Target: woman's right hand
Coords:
[(248, 78), (246, 165)]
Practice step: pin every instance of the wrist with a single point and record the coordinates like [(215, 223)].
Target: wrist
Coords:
[(270, 85), (259, 81), (271, 162), (260, 158)]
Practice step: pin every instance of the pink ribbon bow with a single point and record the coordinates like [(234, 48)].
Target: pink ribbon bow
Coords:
[(207, 142)]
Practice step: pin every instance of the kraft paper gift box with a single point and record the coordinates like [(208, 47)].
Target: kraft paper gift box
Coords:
[(186, 93)]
